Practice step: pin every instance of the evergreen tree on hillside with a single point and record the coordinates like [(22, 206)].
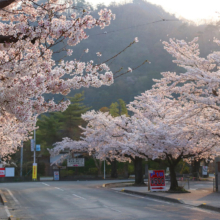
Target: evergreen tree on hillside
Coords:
[(48, 132), (118, 108), (71, 117), (113, 110), (57, 125)]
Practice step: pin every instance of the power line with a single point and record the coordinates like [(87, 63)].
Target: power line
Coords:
[(140, 25)]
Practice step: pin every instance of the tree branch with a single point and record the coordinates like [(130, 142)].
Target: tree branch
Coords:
[(5, 3)]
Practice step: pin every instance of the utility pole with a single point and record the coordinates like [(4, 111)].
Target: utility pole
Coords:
[(104, 169), (21, 164), (34, 146), (34, 170)]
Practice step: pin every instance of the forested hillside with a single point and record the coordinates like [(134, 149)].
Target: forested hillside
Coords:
[(145, 21)]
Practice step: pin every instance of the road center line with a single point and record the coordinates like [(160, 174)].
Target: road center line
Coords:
[(59, 188), (45, 184), (12, 196), (78, 196)]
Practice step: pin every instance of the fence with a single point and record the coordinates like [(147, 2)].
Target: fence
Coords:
[(185, 179)]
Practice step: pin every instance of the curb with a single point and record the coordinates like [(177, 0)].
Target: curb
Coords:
[(202, 206), (2, 197), (4, 201), (110, 185), (155, 196), (209, 207)]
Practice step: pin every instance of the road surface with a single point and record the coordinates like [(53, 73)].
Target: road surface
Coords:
[(70, 200)]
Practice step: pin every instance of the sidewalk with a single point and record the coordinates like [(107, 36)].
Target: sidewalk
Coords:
[(201, 195)]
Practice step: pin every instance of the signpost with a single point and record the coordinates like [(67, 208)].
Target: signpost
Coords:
[(34, 171), (7, 172), (56, 175), (157, 180), (75, 162), (2, 172), (32, 144), (204, 170), (38, 147)]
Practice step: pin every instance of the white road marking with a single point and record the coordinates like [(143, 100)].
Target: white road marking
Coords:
[(7, 211), (12, 196), (198, 209), (78, 196), (59, 188), (45, 184)]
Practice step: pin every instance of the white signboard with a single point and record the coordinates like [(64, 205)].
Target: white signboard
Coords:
[(204, 170), (9, 171), (75, 162)]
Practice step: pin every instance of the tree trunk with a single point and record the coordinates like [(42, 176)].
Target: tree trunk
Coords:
[(126, 174), (114, 173), (173, 181), (6, 3), (138, 171), (98, 165), (195, 167)]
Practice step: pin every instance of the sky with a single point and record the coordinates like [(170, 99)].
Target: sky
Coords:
[(195, 10)]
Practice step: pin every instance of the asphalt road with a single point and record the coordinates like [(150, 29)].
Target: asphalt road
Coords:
[(88, 200)]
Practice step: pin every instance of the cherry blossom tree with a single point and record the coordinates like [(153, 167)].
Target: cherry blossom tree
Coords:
[(200, 82), (27, 68), (95, 138), (29, 31), (111, 135), (167, 132), (73, 146), (13, 133), (165, 126), (104, 137)]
